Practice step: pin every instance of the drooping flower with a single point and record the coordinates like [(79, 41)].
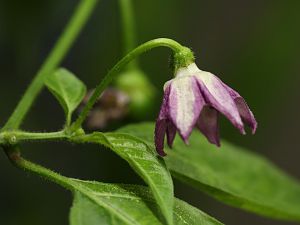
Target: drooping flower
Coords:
[(195, 98)]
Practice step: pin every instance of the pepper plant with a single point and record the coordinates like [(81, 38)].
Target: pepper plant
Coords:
[(193, 98)]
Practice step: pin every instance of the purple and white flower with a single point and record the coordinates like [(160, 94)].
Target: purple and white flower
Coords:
[(195, 98)]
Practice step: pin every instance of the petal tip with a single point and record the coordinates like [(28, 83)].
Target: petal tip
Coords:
[(215, 142), (254, 128), (242, 130), (185, 136), (161, 152), (186, 140)]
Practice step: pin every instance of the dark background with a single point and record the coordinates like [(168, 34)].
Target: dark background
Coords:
[(252, 45)]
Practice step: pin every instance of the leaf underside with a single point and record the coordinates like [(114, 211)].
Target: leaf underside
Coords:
[(230, 174)]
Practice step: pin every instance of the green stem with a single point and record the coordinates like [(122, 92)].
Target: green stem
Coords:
[(160, 42), (55, 57), (128, 29), (73, 185), (128, 26), (14, 155), (14, 137)]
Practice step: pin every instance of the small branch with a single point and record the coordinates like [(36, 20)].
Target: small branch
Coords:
[(128, 29), (128, 25), (55, 57)]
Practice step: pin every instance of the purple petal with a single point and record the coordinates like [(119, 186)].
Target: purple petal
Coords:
[(208, 124), (160, 131), (185, 103), (218, 97), (164, 111), (244, 110), (171, 132), (161, 124)]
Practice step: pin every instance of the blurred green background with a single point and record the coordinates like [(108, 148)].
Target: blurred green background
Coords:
[(252, 45)]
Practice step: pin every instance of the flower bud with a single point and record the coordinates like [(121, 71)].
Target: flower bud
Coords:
[(141, 92)]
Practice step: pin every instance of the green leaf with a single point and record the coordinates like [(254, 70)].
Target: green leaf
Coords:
[(114, 204), (231, 174), (67, 89), (145, 162)]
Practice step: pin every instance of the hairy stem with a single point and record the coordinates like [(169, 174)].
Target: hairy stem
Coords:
[(14, 137), (14, 156), (73, 185), (160, 42), (73, 28)]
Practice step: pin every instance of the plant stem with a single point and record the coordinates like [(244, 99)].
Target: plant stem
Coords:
[(128, 29), (73, 28), (70, 184), (14, 156), (13, 137), (160, 42)]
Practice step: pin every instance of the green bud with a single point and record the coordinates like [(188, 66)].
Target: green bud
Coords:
[(142, 93)]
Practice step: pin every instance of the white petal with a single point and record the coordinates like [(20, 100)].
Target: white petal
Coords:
[(185, 104), (217, 95)]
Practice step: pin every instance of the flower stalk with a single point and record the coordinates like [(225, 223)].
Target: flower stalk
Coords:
[(132, 80), (182, 55)]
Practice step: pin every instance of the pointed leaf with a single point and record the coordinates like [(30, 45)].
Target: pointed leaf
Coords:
[(231, 174), (67, 89), (114, 204), (144, 161)]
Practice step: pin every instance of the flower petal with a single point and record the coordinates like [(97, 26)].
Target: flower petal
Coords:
[(160, 131), (164, 110), (161, 124), (218, 97), (185, 103), (171, 133), (244, 110), (208, 124)]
